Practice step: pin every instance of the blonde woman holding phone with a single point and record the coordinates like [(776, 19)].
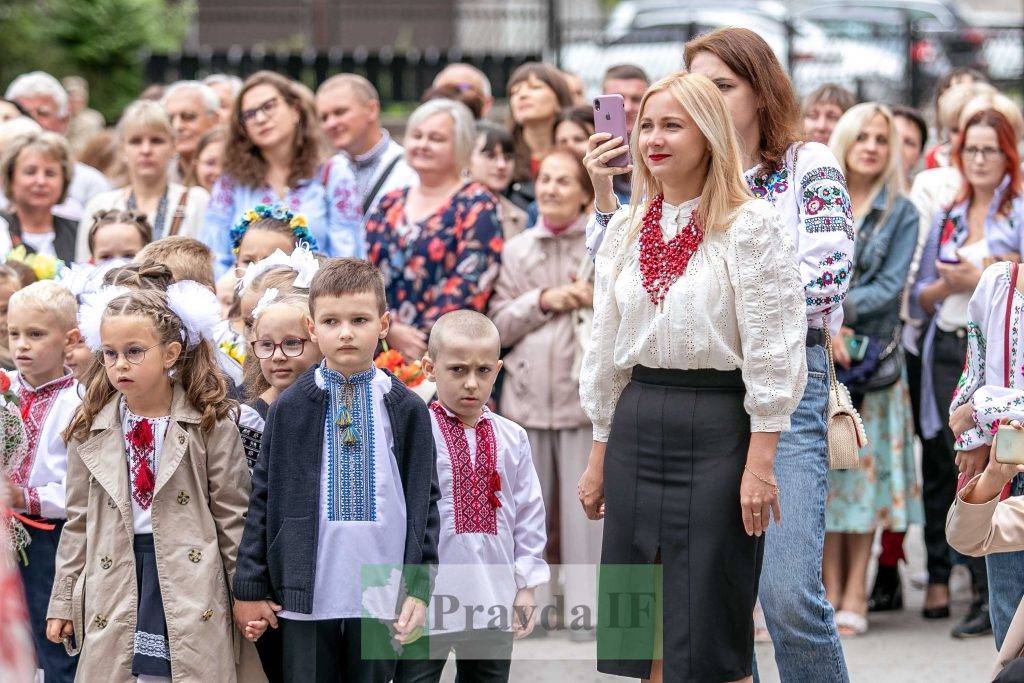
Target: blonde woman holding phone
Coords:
[(695, 364)]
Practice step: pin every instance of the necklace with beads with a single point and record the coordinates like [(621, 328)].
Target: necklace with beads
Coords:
[(661, 262)]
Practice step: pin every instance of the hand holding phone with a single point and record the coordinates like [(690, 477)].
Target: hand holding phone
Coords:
[(1009, 445), (610, 117)]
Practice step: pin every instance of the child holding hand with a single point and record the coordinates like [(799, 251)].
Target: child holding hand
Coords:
[(345, 480), (156, 477), (491, 549)]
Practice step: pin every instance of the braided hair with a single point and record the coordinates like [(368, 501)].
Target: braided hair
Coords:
[(196, 368)]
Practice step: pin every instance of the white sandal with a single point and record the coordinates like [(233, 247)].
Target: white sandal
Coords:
[(855, 624)]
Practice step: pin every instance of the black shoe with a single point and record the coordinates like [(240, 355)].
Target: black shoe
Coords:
[(936, 612), (976, 623), (887, 593)]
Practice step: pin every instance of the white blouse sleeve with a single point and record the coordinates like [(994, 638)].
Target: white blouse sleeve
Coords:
[(770, 316), (600, 381), (529, 535), (825, 231), (973, 377)]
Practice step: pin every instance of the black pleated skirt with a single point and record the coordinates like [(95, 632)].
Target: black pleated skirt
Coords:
[(672, 473), (152, 654)]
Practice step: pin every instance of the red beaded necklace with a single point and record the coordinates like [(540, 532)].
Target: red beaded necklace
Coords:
[(661, 262)]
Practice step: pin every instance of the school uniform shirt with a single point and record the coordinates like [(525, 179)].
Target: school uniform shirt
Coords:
[(738, 305), (492, 527), (143, 443), (46, 411), (362, 508), (983, 377)]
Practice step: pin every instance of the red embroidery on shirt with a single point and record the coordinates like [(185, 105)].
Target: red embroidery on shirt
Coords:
[(474, 488), (32, 503), (141, 450), (35, 405)]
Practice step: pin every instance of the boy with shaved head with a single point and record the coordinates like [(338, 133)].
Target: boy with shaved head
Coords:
[(491, 546)]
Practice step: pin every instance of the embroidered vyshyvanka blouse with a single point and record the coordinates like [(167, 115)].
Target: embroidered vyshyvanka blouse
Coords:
[(738, 305)]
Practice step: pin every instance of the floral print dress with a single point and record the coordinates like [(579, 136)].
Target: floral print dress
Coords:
[(444, 262)]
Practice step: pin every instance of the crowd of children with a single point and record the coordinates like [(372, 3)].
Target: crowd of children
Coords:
[(229, 488)]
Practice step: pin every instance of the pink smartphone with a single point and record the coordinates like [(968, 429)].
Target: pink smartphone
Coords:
[(610, 117)]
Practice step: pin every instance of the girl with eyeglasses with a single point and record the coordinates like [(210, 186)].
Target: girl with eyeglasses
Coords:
[(274, 155), (981, 226), (283, 350), (155, 470)]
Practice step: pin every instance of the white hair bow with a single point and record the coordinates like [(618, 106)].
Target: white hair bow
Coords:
[(90, 313), (198, 309), (301, 260), (268, 298)]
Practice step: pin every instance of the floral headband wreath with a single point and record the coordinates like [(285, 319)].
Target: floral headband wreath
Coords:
[(195, 305), (278, 212)]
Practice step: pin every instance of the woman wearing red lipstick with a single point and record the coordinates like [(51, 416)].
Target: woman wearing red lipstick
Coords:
[(695, 364), (884, 490)]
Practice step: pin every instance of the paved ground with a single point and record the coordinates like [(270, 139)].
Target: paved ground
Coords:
[(899, 647)]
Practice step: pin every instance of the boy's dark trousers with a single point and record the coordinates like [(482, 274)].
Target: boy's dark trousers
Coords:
[(481, 656), (57, 666), (331, 651)]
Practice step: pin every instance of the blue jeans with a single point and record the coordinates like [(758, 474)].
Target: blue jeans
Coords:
[(1005, 582), (801, 622)]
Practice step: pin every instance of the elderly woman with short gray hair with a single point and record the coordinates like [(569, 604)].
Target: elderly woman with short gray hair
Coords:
[(35, 173), (438, 244)]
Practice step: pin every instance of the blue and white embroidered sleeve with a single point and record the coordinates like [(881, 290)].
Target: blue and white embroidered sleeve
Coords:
[(596, 227), (825, 230)]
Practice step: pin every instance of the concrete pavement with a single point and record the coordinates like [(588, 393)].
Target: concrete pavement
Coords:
[(899, 647)]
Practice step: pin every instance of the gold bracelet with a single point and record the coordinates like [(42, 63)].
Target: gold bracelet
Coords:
[(762, 479)]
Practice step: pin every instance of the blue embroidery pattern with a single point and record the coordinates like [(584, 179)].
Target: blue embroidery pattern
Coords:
[(768, 186), (351, 481)]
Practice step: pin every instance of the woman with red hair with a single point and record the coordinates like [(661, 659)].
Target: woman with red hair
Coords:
[(981, 226)]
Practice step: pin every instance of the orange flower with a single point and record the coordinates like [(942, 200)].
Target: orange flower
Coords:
[(390, 360)]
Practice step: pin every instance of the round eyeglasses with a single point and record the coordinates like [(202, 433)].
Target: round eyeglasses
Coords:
[(134, 355), (291, 347)]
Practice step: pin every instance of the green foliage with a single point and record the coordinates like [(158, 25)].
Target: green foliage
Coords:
[(101, 40)]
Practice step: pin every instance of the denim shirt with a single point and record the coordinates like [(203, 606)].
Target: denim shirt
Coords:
[(883, 252), (329, 201)]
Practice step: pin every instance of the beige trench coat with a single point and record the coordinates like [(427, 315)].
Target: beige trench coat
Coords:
[(991, 527), (198, 513)]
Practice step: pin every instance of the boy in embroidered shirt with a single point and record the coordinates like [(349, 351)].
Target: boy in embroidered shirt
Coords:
[(491, 549), (41, 327), (345, 483)]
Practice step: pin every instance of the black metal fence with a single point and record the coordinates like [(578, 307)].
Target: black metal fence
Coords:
[(397, 77), (898, 63)]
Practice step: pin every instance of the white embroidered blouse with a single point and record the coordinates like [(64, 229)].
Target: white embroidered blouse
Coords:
[(739, 305), (810, 194), (982, 379)]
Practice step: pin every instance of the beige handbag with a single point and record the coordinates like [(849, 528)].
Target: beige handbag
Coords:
[(845, 429)]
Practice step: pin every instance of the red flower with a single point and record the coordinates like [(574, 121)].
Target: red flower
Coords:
[(435, 249), (496, 244), (5, 382)]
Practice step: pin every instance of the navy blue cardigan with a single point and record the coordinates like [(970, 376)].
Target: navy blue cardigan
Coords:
[(277, 556)]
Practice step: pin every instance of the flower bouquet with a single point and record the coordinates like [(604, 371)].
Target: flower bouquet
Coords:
[(13, 453), (43, 265), (410, 372)]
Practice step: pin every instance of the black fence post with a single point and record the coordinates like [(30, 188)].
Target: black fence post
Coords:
[(913, 79), (555, 32)]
